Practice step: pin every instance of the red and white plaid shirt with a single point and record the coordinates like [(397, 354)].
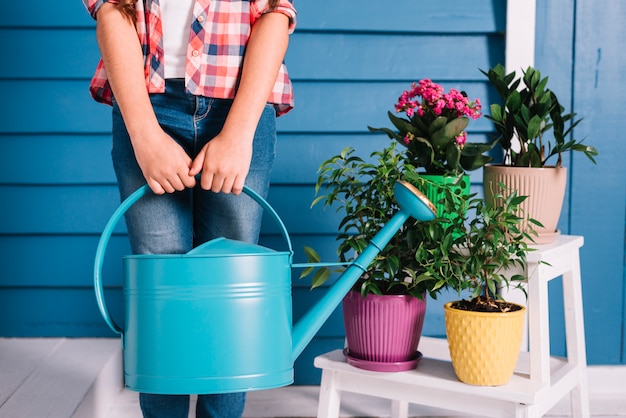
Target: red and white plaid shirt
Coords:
[(218, 35)]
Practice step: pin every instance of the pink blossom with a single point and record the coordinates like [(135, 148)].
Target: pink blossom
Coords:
[(426, 99), (461, 139)]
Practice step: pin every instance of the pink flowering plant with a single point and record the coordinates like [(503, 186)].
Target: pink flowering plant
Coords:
[(434, 129)]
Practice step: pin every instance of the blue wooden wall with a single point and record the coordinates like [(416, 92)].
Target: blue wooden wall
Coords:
[(349, 61)]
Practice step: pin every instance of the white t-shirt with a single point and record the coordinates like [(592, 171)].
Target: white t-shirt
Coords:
[(176, 19)]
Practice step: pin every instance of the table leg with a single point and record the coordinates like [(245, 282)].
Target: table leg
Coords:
[(575, 337), (330, 397), (399, 409)]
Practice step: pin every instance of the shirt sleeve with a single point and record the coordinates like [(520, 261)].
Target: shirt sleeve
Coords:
[(259, 7), (94, 5)]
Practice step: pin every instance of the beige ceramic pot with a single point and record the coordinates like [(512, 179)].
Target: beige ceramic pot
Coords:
[(484, 346), (545, 188)]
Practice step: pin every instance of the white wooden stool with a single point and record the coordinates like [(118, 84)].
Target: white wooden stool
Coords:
[(539, 382)]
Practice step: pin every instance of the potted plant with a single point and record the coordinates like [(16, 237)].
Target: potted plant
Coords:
[(529, 114), (484, 332), (362, 190), (433, 132)]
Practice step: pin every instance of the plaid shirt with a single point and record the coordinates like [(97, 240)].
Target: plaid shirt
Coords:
[(218, 36)]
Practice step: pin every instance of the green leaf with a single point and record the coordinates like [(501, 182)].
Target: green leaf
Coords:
[(437, 124), (513, 102), (534, 127), (320, 277), (496, 112), (306, 272), (452, 129), (312, 255), (453, 155), (401, 124)]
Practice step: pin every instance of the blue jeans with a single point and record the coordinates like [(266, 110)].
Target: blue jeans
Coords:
[(175, 223)]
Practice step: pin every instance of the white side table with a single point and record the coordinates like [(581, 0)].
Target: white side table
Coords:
[(539, 382)]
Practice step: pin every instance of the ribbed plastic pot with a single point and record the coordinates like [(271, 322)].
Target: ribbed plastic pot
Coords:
[(383, 328), (484, 346), (545, 188)]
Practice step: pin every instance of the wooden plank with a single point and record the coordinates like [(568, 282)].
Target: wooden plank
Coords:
[(19, 359), (68, 107), (41, 13), (599, 192), (58, 385), (328, 107), (402, 16), (358, 56), (69, 53), (56, 312), (57, 210), (327, 15), (58, 159), (55, 261)]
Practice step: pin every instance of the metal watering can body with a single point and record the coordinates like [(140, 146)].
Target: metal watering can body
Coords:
[(218, 319)]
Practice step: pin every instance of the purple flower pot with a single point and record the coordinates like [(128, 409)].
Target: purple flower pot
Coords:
[(383, 332)]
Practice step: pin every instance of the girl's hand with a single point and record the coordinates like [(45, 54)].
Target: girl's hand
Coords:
[(163, 162), (224, 162)]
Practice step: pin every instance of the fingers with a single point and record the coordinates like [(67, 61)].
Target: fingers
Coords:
[(156, 187), (224, 184), (171, 185), (216, 184), (197, 163)]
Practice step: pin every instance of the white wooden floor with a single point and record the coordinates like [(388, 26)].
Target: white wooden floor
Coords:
[(80, 378)]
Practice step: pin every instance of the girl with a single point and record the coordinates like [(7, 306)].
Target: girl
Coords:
[(185, 101)]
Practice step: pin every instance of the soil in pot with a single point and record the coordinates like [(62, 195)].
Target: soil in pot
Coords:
[(481, 304)]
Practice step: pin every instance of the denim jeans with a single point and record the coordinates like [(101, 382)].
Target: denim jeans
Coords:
[(177, 222)]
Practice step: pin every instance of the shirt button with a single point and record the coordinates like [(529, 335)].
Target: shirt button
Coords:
[(200, 19), (195, 53)]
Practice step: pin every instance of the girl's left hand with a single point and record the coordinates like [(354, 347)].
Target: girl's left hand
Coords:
[(224, 162)]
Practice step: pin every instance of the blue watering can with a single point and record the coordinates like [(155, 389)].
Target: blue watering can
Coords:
[(218, 319)]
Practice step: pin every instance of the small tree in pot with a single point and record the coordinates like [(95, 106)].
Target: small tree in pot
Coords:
[(362, 190), (488, 248)]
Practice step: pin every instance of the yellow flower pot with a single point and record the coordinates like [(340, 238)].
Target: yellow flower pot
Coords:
[(484, 346)]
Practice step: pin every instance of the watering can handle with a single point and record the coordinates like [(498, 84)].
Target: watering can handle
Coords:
[(117, 215)]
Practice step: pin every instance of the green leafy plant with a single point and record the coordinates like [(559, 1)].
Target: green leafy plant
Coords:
[(528, 111), (363, 192), (434, 129), (470, 247), (476, 248)]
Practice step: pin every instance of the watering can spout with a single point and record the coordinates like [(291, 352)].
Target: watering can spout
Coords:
[(413, 203)]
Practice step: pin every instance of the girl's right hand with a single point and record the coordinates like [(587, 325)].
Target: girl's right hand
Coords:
[(163, 162)]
